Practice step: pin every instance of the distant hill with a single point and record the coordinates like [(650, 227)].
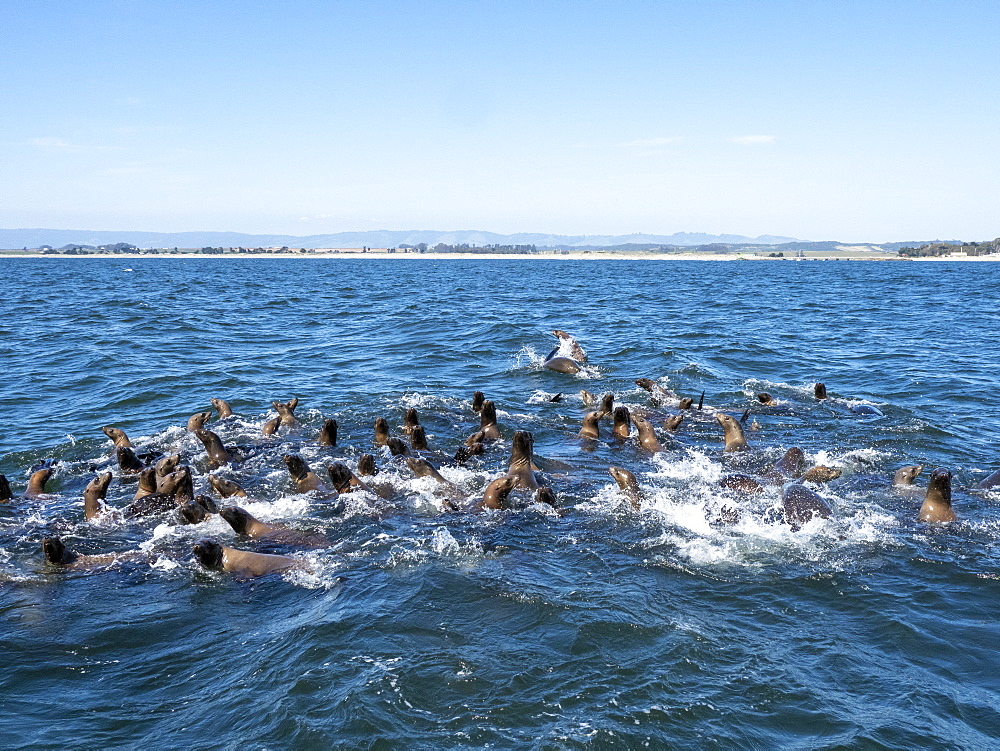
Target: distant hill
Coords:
[(56, 238)]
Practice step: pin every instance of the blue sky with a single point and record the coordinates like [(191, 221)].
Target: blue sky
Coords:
[(858, 121)]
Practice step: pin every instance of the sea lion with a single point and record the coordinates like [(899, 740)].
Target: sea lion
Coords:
[(196, 510), (906, 475), (575, 350), (788, 466), (477, 401), (217, 557), (286, 411), (164, 467), (607, 405), (623, 423), (647, 436), (488, 421), (673, 422), (57, 554), (561, 363), (591, 426), (305, 479), (627, 484), (866, 410), (735, 440), (217, 453), (36, 483), (152, 504), (686, 403), (937, 502), (222, 408), (819, 391), (556, 398), (381, 431), (117, 435), (244, 523), (5, 494), (423, 468), (197, 421), (397, 447), (655, 390), (418, 438), (820, 474), (128, 462), (178, 484), (545, 494), (94, 493), (328, 433), (521, 464), (367, 466), (470, 448), (766, 399), (271, 426), (410, 420), (587, 398), (801, 505), (226, 488), (741, 483), (988, 482), (345, 481), (497, 491)]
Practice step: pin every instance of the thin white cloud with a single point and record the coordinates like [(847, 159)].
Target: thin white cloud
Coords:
[(50, 143), (650, 142), (751, 140)]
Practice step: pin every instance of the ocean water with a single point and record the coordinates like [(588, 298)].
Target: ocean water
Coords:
[(590, 626)]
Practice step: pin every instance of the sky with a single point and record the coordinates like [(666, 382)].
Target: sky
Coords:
[(867, 121)]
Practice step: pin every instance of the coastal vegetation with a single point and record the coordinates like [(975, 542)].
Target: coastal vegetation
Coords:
[(991, 247)]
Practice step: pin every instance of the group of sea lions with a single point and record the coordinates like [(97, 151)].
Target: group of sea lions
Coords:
[(166, 485)]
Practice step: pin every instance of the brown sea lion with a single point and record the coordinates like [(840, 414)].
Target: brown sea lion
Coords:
[(623, 423), (906, 475), (607, 407), (286, 411), (178, 483), (820, 474), (367, 466), (226, 488), (397, 447), (591, 426), (647, 436), (217, 453), (575, 350), (117, 435), (164, 467), (561, 364), (381, 431), (588, 399), (271, 426), (152, 504), (628, 485), (217, 557), (545, 494), (304, 479), (937, 502), (57, 554), (128, 462), (5, 493), (418, 438), (673, 422), (819, 391), (521, 460), (988, 482), (197, 421), (477, 401), (497, 491), (801, 505), (655, 390), (345, 481), (735, 440), (488, 421), (790, 465), (244, 523), (328, 433), (468, 450), (410, 420), (686, 403), (741, 483), (95, 492), (222, 408), (36, 483), (766, 399), (196, 510)]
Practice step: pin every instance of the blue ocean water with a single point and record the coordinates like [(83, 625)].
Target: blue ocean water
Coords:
[(594, 626)]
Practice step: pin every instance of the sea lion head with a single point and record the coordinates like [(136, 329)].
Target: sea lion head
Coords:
[(488, 414), (222, 407), (644, 383), (191, 512), (177, 482), (418, 438), (340, 476), (127, 460), (940, 483), (208, 503), (765, 398), (367, 466), (328, 433), (209, 553), (98, 487), (686, 403), (410, 419), (821, 473), (397, 447), (198, 420), (419, 466), (673, 422), (623, 420), (115, 434), (477, 401), (522, 446), (607, 404), (625, 479), (545, 494), (381, 430), (297, 466), (167, 464), (819, 390), (239, 519), (223, 487), (55, 551), (906, 475)]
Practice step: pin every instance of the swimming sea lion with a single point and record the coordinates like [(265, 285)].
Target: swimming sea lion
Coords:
[(94, 493), (801, 505), (906, 475), (226, 488), (655, 390), (197, 421), (735, 440), (271, 426), (128, 462), (488, 421), (607, 405), (381, 431), (470, 448), (686, 403), (244, 523), (820, 474), (623, 423), (397, 447), (766, 399), (575, 350), (57, 554), (477, 401), (152, 504), (741, 483), (345, 481), (520, 466), (497, 491), (217, 453), (410, 420), (647, 436), (627, 484), (5, 494), (587, 398), (36, 483), (987, 483), (178, 484), (304, 478), (545, 494), (788, 466), (164, 467), (418, 438), (591, 426), (937, 502), (866, 409), (673, 422), (367, 466), (819, 390), (196, 510), (556, 398), (117, 435), (222, 408), (286, 410), (561, 363), (328, 433), (217, 557)]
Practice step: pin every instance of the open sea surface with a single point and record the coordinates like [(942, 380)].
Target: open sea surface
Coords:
[(591, 626)]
